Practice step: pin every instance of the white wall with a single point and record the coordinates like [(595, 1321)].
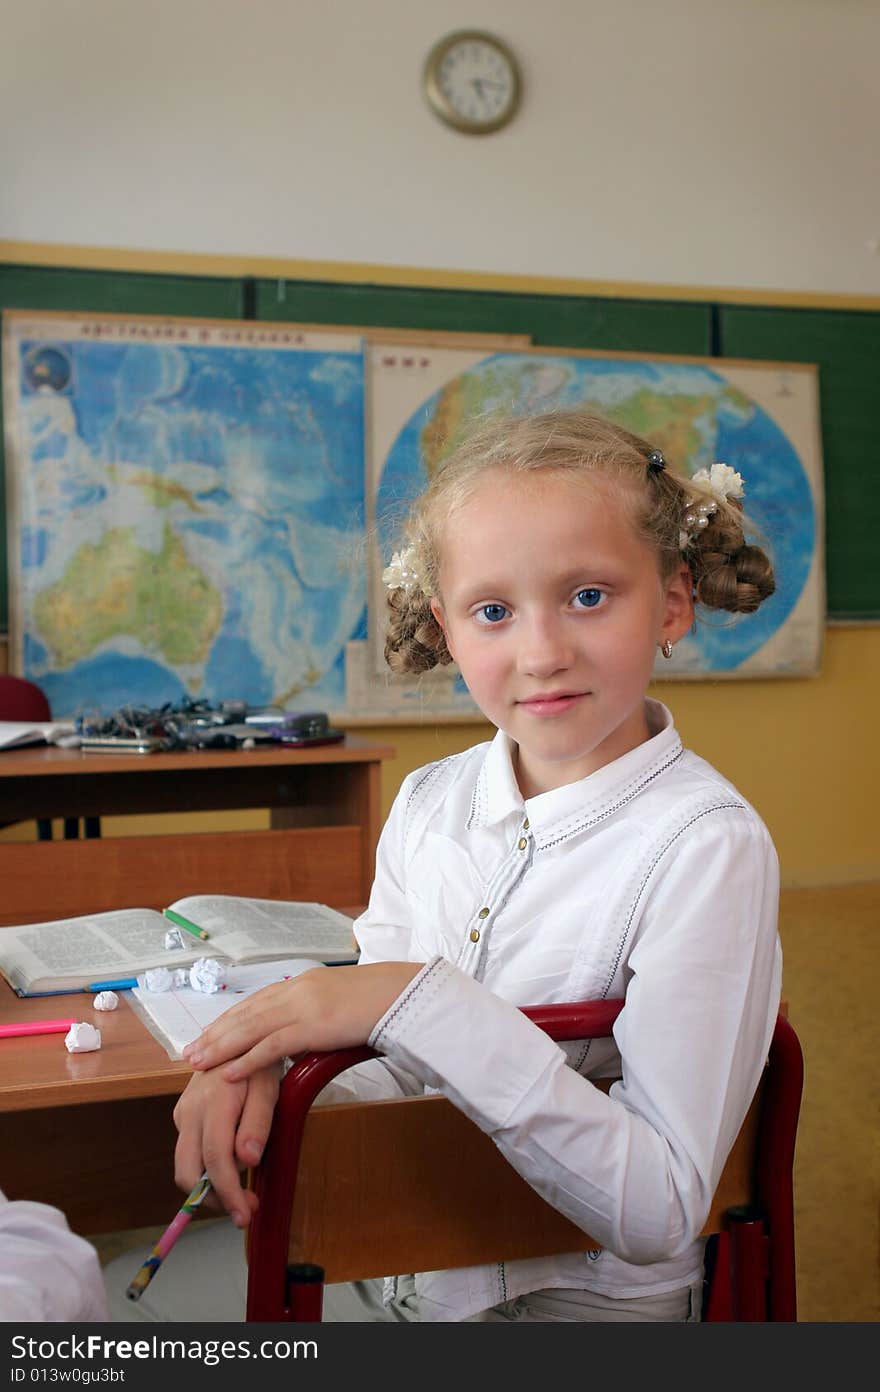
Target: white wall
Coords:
[(698, 142)]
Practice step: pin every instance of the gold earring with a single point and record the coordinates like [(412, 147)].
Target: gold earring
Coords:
[(666, 649)]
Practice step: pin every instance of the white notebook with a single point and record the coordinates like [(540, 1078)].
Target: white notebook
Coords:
[(178, 1016)]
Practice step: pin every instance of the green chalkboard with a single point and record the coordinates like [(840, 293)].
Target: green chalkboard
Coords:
[(846, 347), (565, 321), (845, 344)]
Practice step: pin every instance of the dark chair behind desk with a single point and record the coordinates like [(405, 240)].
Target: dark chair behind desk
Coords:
[(21, 699)]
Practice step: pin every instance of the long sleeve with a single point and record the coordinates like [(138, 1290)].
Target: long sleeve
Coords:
[(47, 1273), (701, 974)]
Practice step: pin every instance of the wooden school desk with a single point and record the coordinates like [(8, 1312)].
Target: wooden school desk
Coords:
[(93, 1133), (325, 812)]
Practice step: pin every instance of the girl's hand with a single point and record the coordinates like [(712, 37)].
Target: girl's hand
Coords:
[(223, 1128), (328, 1008)]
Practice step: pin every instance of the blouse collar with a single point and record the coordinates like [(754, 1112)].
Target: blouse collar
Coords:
[(565, 811)]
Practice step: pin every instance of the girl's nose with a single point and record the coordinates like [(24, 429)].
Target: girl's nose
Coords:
[(545, 647)]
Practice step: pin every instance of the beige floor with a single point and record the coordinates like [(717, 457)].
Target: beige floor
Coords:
[(831, 947)]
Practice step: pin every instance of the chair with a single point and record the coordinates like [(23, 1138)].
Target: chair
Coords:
[(21, 699), (355, 1190)]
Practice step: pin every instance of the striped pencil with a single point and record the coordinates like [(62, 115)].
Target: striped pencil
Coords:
[(145, 1274)]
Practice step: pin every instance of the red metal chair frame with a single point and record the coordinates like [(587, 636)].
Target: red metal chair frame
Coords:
[(753, 1275)]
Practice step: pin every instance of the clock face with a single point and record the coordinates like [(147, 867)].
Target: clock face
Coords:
[(472, 82)]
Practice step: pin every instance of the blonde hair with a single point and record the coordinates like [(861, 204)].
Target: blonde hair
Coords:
[(727, 571)]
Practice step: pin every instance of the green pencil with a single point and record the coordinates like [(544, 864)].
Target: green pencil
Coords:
[(182, 922)]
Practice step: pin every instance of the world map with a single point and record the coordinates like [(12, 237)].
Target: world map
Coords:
[(692, 412)]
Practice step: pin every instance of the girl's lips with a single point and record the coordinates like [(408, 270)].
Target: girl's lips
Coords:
[(552, 705)]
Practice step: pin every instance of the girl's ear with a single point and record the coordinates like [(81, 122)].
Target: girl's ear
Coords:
[(437, 611), (678, 613)]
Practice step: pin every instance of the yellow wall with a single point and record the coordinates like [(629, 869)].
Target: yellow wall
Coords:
[(802, 750)]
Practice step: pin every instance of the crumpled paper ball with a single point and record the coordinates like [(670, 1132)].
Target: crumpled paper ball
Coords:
[(157, 979), (173, 940), (82, 1038), (207, 974), (106, 1000)]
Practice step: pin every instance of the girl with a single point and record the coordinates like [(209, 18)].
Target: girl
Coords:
[(582, 853)]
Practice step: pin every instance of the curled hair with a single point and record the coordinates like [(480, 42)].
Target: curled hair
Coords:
[(414, 641), (727, 571)]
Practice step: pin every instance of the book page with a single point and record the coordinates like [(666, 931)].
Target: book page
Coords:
[(115, 944), (17, 732), (249, 929), (178, 1016)]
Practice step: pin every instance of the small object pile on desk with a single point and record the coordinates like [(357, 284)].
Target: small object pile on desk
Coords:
[(192, 724), (207, 974)]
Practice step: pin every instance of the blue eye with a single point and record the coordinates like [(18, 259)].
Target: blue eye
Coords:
[(491, 613), (589, 598)]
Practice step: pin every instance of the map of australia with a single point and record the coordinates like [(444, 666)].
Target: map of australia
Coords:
[(189, 507)]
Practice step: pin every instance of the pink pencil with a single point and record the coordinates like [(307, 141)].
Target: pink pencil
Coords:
[(145, 1273), (35, 1027)]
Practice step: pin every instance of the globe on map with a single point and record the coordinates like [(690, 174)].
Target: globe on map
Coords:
[(689, 411), (47, 367)]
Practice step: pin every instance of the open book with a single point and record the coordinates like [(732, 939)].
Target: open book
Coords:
[(69, 954), (16, 732)]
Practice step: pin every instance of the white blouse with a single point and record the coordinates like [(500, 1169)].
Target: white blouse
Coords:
[(651, 878)]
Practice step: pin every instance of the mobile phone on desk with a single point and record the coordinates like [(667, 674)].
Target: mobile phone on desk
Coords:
[(283, 735), (121, 744), (312, 727)]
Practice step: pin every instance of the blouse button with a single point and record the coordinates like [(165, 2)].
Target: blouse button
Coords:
[(475, 935), (522, 843), (484, 913), (526, 824)]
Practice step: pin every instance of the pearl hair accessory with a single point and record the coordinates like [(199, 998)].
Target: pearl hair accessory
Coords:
[(722, 483), (401, 573)]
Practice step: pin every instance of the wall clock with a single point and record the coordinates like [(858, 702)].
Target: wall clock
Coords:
[(472, 81)]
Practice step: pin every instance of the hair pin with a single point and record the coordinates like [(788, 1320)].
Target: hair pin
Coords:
[(402, 573), (656, 462)]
